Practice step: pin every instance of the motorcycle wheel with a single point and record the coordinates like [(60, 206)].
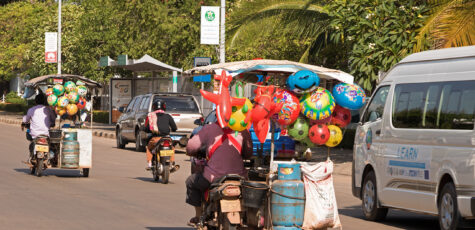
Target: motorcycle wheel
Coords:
[(39, 167), (33, 170), (166, 173), (156, 176)]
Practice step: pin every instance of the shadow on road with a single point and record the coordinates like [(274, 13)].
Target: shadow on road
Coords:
[(150, 179), (55, 172), (166, 228), (397, 218)]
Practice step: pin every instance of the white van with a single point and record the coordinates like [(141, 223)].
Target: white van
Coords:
[(415, 143)]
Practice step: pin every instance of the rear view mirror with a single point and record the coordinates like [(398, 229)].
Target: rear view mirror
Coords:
[(121, 109), (198, 122)]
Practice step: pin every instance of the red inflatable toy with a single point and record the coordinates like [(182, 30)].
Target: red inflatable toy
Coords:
[(341, 117), (319, 134), (224, 102), (81, 103), (325, 121), (264, 108), (290, 107)]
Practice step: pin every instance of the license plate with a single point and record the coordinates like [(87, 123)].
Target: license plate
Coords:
[(176, 138), (41, 148), (166, 153), (230, 205)]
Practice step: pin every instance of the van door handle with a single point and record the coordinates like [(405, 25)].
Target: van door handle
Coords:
[(378, 132)]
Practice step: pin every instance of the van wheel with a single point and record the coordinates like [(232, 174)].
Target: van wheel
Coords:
[(138, 142), (119, 139), (370, 199), (449, 216)]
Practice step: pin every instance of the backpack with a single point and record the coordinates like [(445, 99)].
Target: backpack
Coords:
[(152, 122)]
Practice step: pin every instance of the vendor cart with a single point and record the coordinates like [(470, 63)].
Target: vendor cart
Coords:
[(70, 140)]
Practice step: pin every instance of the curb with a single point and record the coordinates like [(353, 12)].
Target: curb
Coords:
[(110, 135)]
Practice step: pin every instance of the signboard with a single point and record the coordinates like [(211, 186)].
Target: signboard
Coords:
[(210, 25), (105, 61), (201, 61), (122, 93), (122, 59), (51, 47), (202, 78)]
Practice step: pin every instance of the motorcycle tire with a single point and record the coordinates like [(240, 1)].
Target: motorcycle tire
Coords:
[(166, 173), (39, 167), (33, 170), (156, 176)]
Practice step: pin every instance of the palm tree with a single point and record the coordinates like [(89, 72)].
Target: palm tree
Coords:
[(451, 23)]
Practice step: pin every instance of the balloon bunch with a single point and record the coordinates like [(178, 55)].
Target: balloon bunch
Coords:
[(67, 99), (323, 114)]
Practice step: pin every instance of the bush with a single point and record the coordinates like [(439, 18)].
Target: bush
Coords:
[(14, 107), (101, 116)]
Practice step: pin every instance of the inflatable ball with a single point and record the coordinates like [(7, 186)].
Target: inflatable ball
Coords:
[(49, 91), (290, 107), (73, 97), (52, 100), (63, 101), (319, 134), (70, 86), (317, 105), (349, 96), (71, 109), (335, 136), (341, 117), (81, 103), (60, 110), (299, 129), (82, 90), (58, 89), (303, 81)]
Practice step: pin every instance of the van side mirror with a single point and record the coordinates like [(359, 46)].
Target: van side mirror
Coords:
[(121, 109), (198, 122)]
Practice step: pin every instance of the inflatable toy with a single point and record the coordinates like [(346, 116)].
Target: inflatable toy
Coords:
[(341, 117), (58, 89), (319, 134), (223, 100), (303, 81), (349, 96), (82, 90), (290, 107), (60, 110), (71, 109), (264, 108), (299, 129), (326, 121), (81, 103), (335, 136), (239, 120), (317, 105), (63, 101), (79, 82), (70, 86), (49, 91), (52, 100), (73, 97)]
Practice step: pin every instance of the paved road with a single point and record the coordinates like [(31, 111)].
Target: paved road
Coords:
[(120, 194)]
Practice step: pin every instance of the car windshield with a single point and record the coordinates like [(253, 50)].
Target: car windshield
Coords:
[(179, 104)]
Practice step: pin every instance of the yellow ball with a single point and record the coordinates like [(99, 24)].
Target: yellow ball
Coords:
[(239, 114), (335, 136), (60, 110), (71, 109)]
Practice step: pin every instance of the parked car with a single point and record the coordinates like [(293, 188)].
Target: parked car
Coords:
[(182, 107)]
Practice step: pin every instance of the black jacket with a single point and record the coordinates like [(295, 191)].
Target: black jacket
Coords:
[(165, 122)]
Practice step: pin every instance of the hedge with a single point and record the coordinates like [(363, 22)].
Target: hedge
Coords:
[(14, 107), (101, 116)]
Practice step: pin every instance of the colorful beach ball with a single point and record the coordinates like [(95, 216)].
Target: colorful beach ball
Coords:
[(79, 82), (335, 136), (238, 116), (73, 97), (299, 129), (52, 100), (317, 105), (303, 81), (71, 109), (70, 86), (63, 101), (291, 107), (349, 96), (58, 89), (319, 134), (49, 91), (60, 110), (81, 103), (82, 90)]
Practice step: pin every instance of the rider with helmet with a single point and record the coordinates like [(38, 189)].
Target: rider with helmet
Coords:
[(159, 124)]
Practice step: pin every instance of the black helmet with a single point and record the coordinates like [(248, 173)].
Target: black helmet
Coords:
[(40, 99), (159, 104)]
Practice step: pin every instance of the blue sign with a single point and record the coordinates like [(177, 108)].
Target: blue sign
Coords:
[(202, 78)]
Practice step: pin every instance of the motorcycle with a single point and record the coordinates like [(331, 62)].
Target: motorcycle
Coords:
[(161, 161)]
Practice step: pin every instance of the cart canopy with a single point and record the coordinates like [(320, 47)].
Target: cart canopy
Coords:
[(43, 80)]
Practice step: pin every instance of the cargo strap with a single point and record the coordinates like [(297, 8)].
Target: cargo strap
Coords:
[(287, 196), (227, 134)]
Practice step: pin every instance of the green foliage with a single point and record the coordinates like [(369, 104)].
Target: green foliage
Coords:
[(100, 116)]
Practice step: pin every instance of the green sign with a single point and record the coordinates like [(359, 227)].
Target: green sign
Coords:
[(122, 59), (210, 16), (104, 61)]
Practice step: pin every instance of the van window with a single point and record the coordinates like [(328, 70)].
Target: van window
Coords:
[(376, 107), (435, 105)]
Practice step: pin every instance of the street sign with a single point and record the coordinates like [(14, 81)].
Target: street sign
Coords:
[(122, 59), (201, 61), (105, 61), (51, 47), (210, 25), (202, 78)]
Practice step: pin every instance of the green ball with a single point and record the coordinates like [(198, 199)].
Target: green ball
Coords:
[(308, 143), (52, 100), (70, 86), (58, 89), (299, 129)]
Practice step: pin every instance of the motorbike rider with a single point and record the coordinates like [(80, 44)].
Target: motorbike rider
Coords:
[(40, 118), (158, 124), (225, 152)]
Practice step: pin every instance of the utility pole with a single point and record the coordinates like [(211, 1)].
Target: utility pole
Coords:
[(222, 27), (59, 37)]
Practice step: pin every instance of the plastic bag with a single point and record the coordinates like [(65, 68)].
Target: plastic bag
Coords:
[(152, 122), (321, 210)]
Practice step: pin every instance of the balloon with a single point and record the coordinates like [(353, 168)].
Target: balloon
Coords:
[(349, 96), (79, 82), (325, 121), (223, 100), (58, 89), (341, 117), (73, 97), (49, 91), (303, 81), (299, 129), (71, 109), (63, 101), (319, 134), (81, 103), (335, 136), (264, 108), (60, 110), (290, 107), (52, 100), (238, 121), (70, 86), (82, 90), (317, 105)]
